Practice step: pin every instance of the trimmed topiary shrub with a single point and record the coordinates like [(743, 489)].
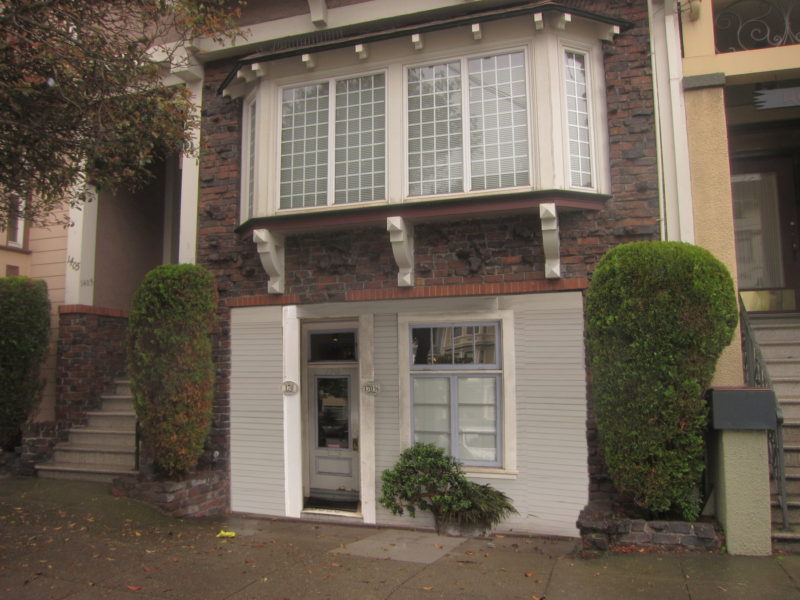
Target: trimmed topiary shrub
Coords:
[(425, 478), (170, 363), (24, 334), (658, 315)]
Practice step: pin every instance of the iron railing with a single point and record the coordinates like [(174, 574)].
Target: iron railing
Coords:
[(755, 24), (756, 375)]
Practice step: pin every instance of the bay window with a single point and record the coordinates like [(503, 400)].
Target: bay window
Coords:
[(521, 112)]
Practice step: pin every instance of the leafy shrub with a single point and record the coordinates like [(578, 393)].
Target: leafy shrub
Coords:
[(170, 363), (24, 333), (658, 315), (425, 478)]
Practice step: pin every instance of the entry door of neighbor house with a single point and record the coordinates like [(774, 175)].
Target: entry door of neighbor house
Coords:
[(767, 244), (332, 431)]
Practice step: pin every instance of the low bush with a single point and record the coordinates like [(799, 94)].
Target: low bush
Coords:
[(170, 363), (425, 478), (658, 315), (24, 334)]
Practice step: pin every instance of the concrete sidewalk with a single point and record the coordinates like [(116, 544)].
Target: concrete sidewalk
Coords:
[(74, 540)]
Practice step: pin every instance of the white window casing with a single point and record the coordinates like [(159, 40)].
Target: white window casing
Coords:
[(450, 396)]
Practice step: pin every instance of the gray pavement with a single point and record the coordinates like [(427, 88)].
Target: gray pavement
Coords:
[(74, 540)]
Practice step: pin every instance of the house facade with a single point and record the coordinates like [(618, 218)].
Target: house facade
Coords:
[(402, 206), (401, 215)]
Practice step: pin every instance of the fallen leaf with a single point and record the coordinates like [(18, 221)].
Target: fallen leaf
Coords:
[(226, 534), (499, 536), (249, 560), (134, 588), (427, 588), (335, 564), (469, 552), (173, 559), (529, 574), (439, 546)]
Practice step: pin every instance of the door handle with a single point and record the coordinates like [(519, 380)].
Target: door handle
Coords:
[(355, 444)]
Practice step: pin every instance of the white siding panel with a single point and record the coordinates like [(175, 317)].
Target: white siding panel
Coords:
[(257, 472), (553, 482)]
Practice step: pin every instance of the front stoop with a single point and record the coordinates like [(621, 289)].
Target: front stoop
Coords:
[(778, 336), (103, 449)]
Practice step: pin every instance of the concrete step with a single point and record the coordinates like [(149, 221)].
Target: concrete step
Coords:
[(118, 403), (778, 350), (106, 419), (70, 453), (81, 472), (793, 511), (783, 367), (791, 455), (786, 387), (122, 386), (790, 407), (107, 438)]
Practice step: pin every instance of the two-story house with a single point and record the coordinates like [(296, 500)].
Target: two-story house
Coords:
[(402, 205)]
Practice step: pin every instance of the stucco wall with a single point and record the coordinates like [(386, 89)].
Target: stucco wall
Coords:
[(713, 207)]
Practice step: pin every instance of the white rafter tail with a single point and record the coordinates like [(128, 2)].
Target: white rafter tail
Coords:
[(610, 33), (361, 51), (538, 21), (417, 41), (319, 12), (308, 61), (401, 235), (550, 240), (270, 248), (476, 31), (564, 20), (247, 73)]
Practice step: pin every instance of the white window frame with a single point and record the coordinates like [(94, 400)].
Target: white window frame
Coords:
[(548, 142), (463, 59), (506, 405), (250, 156), (19, 238), (590, 66), (331, 150)]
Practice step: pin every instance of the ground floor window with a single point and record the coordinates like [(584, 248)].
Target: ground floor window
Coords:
[(456, 390)]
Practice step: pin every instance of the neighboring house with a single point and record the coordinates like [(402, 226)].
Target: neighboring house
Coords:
[(402, 204), (38, 252), (741, 81)]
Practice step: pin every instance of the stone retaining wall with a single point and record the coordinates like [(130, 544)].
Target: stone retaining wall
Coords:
[(603, 533), (201, 495)]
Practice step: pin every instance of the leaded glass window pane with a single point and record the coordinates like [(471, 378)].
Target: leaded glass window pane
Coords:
[(304, 146), (498, 121), (580, 153), (435, 138)]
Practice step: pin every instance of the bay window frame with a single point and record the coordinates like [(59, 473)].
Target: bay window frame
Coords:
[(546, 115)]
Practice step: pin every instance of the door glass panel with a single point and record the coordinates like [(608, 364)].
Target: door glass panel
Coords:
[(756, 221), (332, 346), (333, 412)]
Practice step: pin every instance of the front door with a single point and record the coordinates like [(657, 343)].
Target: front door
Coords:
[(767, 244), (332, 409)]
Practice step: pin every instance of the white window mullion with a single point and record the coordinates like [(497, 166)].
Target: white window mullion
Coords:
[(331, 143), (466, 128)]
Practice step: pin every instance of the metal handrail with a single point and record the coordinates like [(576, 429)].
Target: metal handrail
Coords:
[(756, 375)]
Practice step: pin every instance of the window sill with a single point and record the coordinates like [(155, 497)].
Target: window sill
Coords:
[(421, 211), (490, 472)]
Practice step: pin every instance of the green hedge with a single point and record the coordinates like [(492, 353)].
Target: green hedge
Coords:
[(24, 334), (170, 363), (658, 315)]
